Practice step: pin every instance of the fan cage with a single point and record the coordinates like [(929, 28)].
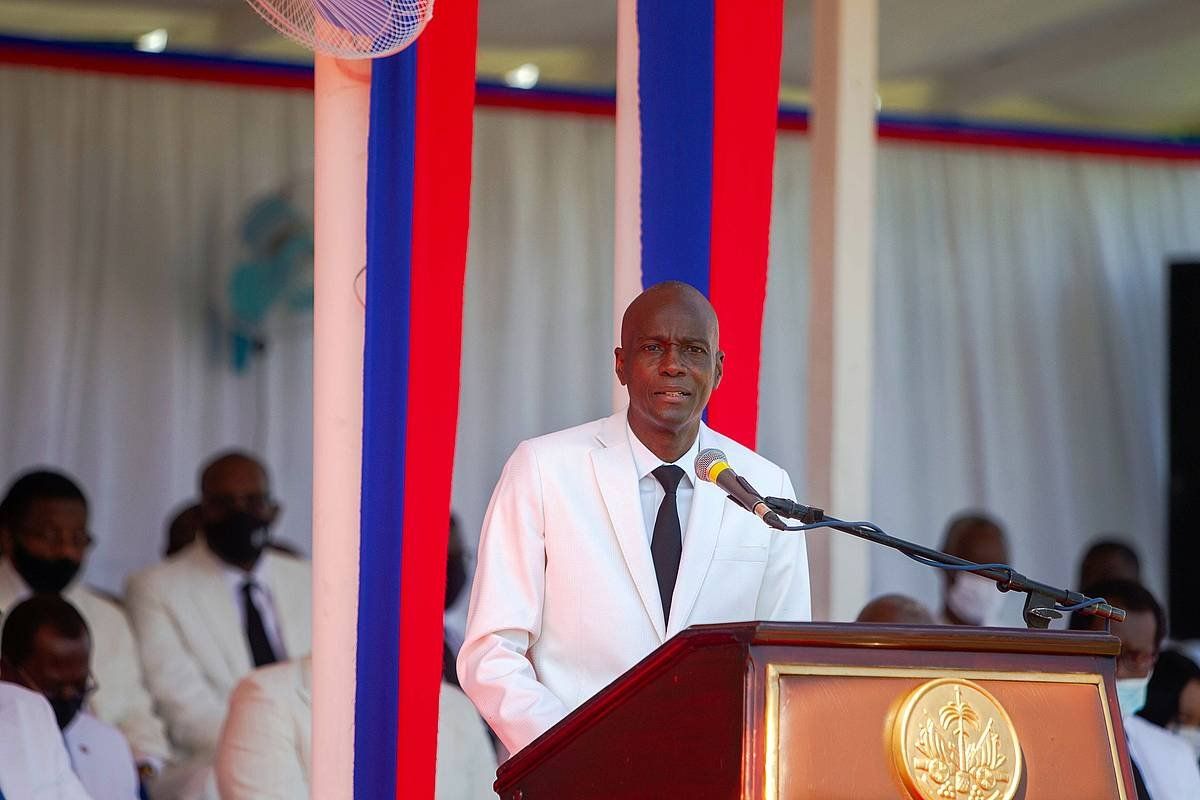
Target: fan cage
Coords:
[(348, 28)]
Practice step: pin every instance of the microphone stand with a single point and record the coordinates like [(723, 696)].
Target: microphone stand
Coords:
[(1043, 602)]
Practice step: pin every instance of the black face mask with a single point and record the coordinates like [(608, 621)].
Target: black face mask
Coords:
[(65, 709), (44, 576), (238, 538)]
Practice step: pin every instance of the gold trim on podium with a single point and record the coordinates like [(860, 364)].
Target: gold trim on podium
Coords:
[(894, 725)]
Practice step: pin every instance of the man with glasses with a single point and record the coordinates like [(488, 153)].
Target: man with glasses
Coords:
[(47, 649), (219, 608), (44, 535), (1163, 765)]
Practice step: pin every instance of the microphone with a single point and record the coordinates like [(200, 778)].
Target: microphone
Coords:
[(711, 466)]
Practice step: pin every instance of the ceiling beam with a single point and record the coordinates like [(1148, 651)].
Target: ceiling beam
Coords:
[(1065, 50)]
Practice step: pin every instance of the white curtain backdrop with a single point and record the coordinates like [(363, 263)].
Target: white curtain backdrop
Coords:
[(1019, 323)]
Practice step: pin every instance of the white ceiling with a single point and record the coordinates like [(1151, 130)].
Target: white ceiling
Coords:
[(1123, 64)]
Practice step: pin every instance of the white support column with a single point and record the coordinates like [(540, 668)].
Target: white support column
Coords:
[(342, 106), (842, 135), (627, 273)]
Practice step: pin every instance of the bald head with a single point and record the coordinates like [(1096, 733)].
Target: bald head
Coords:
[(670, 361), (233, 463), (895, 609), (677, 294)]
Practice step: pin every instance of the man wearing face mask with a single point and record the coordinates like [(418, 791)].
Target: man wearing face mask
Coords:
[(969, 599), (47, 649), (221, 607), (1163, 763), (44, 533)]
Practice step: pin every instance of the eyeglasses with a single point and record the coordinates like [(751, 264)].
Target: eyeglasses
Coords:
[(85, 691), (257, 503), (80, 540)]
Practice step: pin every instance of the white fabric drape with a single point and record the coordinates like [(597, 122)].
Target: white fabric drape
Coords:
[(1019, 316), (120, 201)]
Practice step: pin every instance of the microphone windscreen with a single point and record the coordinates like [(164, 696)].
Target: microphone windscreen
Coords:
[(704, 461)]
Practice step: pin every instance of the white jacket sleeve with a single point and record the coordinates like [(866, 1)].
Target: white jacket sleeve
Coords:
[(122, 700), (785, 595), (258, 757), (505, 616), (191, 707)]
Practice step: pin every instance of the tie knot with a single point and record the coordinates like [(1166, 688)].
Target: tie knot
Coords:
[(669, 476), (249, 585)]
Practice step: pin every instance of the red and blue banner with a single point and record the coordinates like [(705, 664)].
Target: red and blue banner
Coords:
[(418, 200), (707, 88)]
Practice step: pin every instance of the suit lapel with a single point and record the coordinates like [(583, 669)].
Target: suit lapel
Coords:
[(213, 601), (616, 476)]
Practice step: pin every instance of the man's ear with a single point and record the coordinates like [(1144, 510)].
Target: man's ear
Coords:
[(619, 364), (720, 368), (276, 509)]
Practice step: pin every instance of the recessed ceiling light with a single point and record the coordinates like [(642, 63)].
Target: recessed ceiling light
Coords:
[(523, 77), (154, 41)]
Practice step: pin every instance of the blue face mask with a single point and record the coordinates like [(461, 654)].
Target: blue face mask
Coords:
[(1131, 694)]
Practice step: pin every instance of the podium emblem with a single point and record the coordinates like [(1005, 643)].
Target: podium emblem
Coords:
[(952, 740)]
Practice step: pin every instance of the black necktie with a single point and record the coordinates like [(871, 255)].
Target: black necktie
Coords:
[(256, 633), (667, 543)]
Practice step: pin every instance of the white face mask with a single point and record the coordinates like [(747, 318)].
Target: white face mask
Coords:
[(1190, 734), (1131, 694), (974, 599)]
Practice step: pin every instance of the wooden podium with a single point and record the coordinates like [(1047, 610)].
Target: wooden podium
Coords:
[(844, 712)]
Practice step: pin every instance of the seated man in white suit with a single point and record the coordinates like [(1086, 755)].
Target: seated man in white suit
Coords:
[(46, 647), (33, 758), (45, 537), (266, 746), (219, 608), (600, 544)]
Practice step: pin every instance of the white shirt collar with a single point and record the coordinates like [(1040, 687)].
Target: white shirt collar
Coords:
[(646, 462), (236, 577)]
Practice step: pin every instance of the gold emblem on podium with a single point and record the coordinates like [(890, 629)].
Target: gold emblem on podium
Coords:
[(952, 740)]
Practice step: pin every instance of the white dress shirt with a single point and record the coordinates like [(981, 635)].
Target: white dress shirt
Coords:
[(260, 593), (652, 492), (101, 759)]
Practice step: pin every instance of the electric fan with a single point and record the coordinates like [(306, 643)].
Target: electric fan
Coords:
[(348, 28)]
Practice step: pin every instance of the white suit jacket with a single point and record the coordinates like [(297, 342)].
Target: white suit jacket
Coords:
[(1166, 761), (33, 758), (192, 636), (565, 597), (101, 759), (265, 751), (122, 699), (266, 745)]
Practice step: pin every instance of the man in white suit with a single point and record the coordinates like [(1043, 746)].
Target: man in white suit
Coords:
[(46, 647), (222, 606), (33, 758), (44, 532), (600, 544)]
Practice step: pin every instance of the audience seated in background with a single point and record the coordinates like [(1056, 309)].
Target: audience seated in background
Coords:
[(44, 532), (265, 752), (46, 648), (1109, 560), (969, 599), (220, 607), (895, 609), (1164, 764), (1173, 697), (33, 757)]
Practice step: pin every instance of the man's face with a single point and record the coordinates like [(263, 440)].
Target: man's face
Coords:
[(53, 529), (1139, 647), (669, 362), (59, 666), (236, 485), (983, 545)]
